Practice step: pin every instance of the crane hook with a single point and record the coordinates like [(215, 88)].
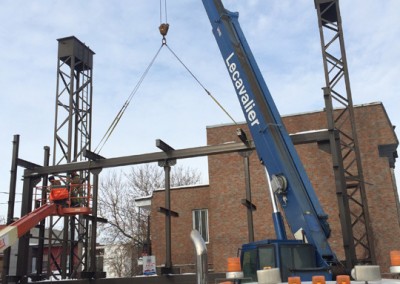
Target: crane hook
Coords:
[(163, 31)]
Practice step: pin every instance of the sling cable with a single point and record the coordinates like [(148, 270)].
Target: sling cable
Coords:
[(163, 28)]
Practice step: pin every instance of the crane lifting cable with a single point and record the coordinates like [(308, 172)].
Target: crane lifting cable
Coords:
[(197, 80), (125, 106), (165, 12), (163, 28)]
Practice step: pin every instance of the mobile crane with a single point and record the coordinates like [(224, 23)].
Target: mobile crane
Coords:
[(309, 254)]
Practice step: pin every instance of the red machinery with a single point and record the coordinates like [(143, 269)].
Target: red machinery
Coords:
[(59, 203)]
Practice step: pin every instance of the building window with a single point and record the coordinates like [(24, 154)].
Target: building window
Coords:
[(200, 222)]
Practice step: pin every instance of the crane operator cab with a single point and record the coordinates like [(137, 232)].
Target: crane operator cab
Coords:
[(292, 257)]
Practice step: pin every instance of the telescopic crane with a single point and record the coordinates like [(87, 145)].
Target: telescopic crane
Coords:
[(310, 253)]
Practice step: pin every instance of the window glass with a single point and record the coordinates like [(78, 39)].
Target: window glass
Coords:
[(304, 257), (296, 257), (250, 264), (267, 257), (200, 222)]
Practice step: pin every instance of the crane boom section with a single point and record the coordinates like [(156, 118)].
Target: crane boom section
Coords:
[(272, 142)]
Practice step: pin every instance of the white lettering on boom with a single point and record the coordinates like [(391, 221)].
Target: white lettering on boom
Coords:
[(244, 98)]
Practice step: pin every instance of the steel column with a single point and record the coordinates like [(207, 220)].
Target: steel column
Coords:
[(23, 244), (92, 267), (11, 204), (247, 202), (72, 136), (168, 213), (42, 229), (337, 90), (340, 181)]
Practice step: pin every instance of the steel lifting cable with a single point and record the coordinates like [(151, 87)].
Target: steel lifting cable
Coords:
[(125, 106), (165, 11), (163, 31), (197, 80), (163, 28)]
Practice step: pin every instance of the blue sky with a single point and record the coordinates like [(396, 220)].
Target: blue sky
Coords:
[(170, 104)]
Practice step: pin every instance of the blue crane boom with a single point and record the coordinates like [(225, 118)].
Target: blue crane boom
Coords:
[(274, 147)]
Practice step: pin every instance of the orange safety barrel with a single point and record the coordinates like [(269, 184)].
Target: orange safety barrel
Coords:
[(343, 279), (395, 258), (318, 279), (294, 280), (233, 264), (58, 194)]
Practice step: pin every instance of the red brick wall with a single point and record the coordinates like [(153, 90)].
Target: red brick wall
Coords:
[(228, 219), (228, 224), (183, 201), (373, 129), (382, 198)]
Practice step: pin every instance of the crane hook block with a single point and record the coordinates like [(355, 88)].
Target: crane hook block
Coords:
[(164, 29)]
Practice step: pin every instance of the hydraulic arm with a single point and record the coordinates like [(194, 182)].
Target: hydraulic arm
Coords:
[(10, 234)]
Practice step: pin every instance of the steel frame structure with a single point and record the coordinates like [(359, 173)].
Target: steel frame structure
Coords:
[(357, 233), (33, 174), (73, 112), (72, 135)]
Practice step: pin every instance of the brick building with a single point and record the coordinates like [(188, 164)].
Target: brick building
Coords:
[(219, 203)]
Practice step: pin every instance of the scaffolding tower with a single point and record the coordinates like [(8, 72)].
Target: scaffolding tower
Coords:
[(72, 136), (353, 206)]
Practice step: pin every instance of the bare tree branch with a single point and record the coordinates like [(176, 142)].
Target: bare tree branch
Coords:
[(127, 226)]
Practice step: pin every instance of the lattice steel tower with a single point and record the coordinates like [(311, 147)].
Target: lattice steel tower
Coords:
[(73, 125), (72, 135), (357, 233)]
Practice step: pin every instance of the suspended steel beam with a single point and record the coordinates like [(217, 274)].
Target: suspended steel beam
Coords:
[(231, 147)]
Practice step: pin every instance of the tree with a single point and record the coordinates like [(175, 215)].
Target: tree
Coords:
[(118, 260), (127, 227)]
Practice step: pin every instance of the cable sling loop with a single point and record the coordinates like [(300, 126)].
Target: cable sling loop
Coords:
[(197, 80), (125, 105)]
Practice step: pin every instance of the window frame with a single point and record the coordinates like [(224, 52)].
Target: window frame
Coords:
[(200, 211)]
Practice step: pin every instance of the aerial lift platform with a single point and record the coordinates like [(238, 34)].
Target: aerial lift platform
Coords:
[(51, 206)]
